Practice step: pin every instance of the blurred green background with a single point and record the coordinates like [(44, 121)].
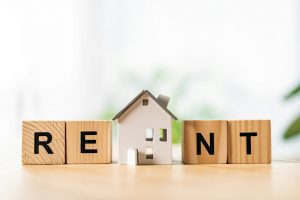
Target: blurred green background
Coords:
[(85, 60), (294, 127), (158, 77)]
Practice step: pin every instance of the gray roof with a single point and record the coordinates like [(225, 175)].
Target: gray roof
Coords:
[(136, 98)]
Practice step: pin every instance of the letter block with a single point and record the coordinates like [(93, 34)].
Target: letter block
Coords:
[(43, 142), (249, 141), (88, 142), (204, 141)]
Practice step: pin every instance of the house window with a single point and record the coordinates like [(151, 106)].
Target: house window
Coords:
[(145, 102), (149, 134), (149, 153), (163, 134)]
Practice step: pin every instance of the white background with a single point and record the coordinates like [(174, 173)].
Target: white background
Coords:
[(71, 59)]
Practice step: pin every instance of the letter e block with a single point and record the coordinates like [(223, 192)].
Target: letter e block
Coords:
[(204, 142), (249, 141), (43, 142), (88, 142)]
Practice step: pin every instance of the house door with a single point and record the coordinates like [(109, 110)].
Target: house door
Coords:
[(132, 157)]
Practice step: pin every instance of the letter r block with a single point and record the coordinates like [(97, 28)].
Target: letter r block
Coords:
[(43, 142), (88, 142), (204, 142), (249, 141)]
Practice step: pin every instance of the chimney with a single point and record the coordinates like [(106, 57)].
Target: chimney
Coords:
[(163, 100)]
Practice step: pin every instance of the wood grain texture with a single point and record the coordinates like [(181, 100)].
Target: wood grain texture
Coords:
[(279, 180), (260, 144), (57, 145), (205, 127), (103, 142)]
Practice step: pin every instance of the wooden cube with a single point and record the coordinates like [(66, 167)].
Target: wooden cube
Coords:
[(43, 142), (204, 142), (249, 141), (88, 142)]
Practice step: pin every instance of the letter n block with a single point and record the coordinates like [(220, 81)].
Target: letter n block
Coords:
[(249, 141), (204, 142), (88, 142), (43, 142)]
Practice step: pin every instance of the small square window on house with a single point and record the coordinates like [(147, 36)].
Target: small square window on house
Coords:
[(163, 134), (145, 102), (149, 153), (149, 134)]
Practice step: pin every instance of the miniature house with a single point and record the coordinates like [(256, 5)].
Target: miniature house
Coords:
[(144, 128)]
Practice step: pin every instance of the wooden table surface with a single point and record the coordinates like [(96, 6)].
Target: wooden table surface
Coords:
[(280, 180)]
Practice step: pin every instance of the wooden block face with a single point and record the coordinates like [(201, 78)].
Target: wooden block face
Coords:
[(43, 142), (211, 132), (88, 142), (249, 141)]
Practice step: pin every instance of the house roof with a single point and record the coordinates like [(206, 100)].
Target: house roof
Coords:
[(136, 98)]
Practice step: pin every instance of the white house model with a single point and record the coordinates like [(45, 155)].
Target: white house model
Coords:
[(144, 128)]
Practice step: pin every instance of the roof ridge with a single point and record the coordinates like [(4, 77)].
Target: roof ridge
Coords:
[(137, 97)]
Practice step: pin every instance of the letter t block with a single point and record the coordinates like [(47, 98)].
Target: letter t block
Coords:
[(249, 141), (43, 142)]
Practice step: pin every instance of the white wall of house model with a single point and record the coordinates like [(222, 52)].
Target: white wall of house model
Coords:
[(144, 126)]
